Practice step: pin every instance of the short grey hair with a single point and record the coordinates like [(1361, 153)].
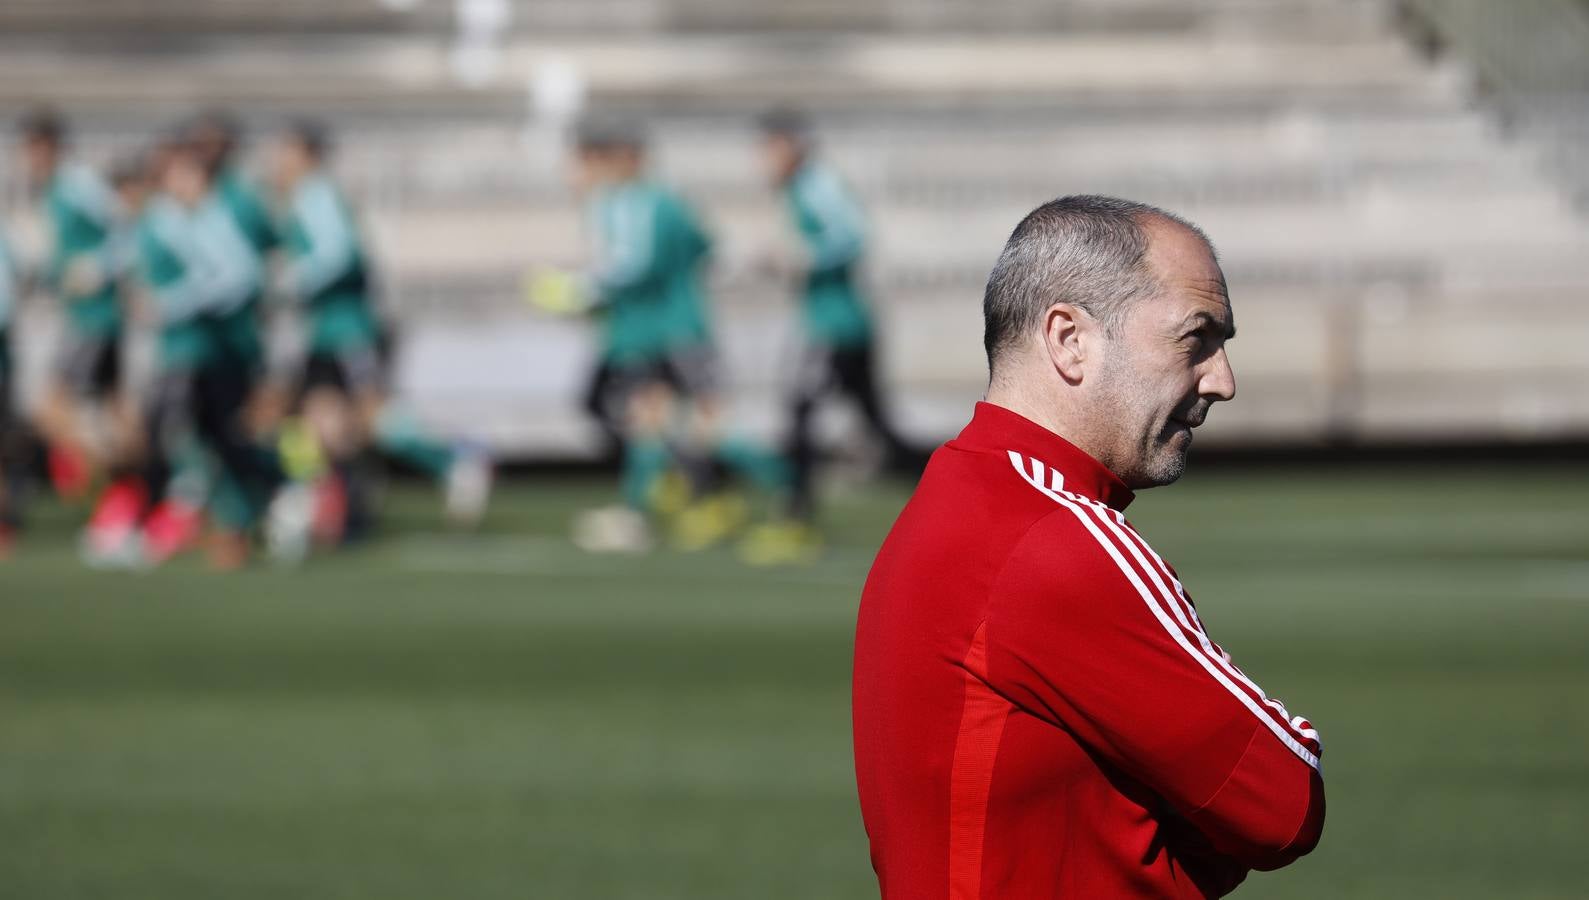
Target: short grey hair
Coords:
[(1085, 249)]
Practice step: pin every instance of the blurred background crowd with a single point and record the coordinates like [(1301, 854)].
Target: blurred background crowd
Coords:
[(511, 300)]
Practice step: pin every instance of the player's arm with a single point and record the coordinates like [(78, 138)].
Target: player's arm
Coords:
[(1089, 630), (332, 244), (192, 272), (231, 273), (841, 228)]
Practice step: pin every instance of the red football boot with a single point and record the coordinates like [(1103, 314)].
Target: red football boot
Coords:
[(173, 527), (108, 538)]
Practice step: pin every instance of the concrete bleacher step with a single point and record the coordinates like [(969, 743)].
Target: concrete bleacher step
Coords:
[(737, 74), (1357, 197), (125, 18), (1519, 228)]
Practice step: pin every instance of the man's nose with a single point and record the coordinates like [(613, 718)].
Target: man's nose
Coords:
[(1218, 380)]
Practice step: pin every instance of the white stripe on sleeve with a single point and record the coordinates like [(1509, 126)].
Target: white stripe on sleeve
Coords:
[(1173, 628)]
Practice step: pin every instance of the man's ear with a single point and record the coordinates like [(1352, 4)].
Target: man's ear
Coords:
[(1064, 328)]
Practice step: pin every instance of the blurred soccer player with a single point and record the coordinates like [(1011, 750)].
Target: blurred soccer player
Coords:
[(200, 270), (213, 137), (343, 389), (111, 536), (644, 281), (838, 353), (81, 213), (1038, 709)]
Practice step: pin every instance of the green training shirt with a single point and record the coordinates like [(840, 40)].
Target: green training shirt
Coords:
[(833, 229), (81, 210), (200, 270), (328, 273), (242, 330), (649, 249)]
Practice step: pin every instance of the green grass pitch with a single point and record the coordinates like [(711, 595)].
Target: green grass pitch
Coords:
[(435, 716)]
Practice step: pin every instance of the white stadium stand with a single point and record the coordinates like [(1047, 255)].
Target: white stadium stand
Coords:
[(1402, 268)]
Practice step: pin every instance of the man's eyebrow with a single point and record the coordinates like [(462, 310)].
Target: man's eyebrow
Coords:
[(1200, 318)]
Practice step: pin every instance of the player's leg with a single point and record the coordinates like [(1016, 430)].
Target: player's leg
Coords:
[(813, 377), (791, 536), (855, 372), (462, 470), (691, 372), (330, 418), (647, 457), (718, 507), (112, 533), (167, 441), (250, 476), (62, 417), (597, 401), (648, 406)]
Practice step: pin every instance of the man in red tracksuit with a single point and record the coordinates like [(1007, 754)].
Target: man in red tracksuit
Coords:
[(1038, 711)]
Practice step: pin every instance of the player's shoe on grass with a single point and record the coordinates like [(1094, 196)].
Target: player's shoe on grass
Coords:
[(670, 494), (111, 537), (8, 542), (468, 486), (173, 527), (786, 543), (709, 521), (612, 529), (289, 523)]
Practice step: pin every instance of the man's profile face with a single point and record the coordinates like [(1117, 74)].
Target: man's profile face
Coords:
[(1165, 365), (185, 180), (780, 157), (291, 161), (39, 156), (585, 172)]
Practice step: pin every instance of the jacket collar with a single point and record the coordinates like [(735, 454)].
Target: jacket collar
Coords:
[(998, 430)]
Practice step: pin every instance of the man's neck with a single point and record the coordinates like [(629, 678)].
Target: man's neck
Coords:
[(1043, 411)]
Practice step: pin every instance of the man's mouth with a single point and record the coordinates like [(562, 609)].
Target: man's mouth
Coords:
[(1192, 419)]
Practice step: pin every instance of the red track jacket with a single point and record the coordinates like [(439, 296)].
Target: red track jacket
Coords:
[(1038, 711)]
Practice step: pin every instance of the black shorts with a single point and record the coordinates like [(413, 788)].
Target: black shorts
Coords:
[(823, 367), (168, 418), (351, 370), (692, 372), (90, 365)]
